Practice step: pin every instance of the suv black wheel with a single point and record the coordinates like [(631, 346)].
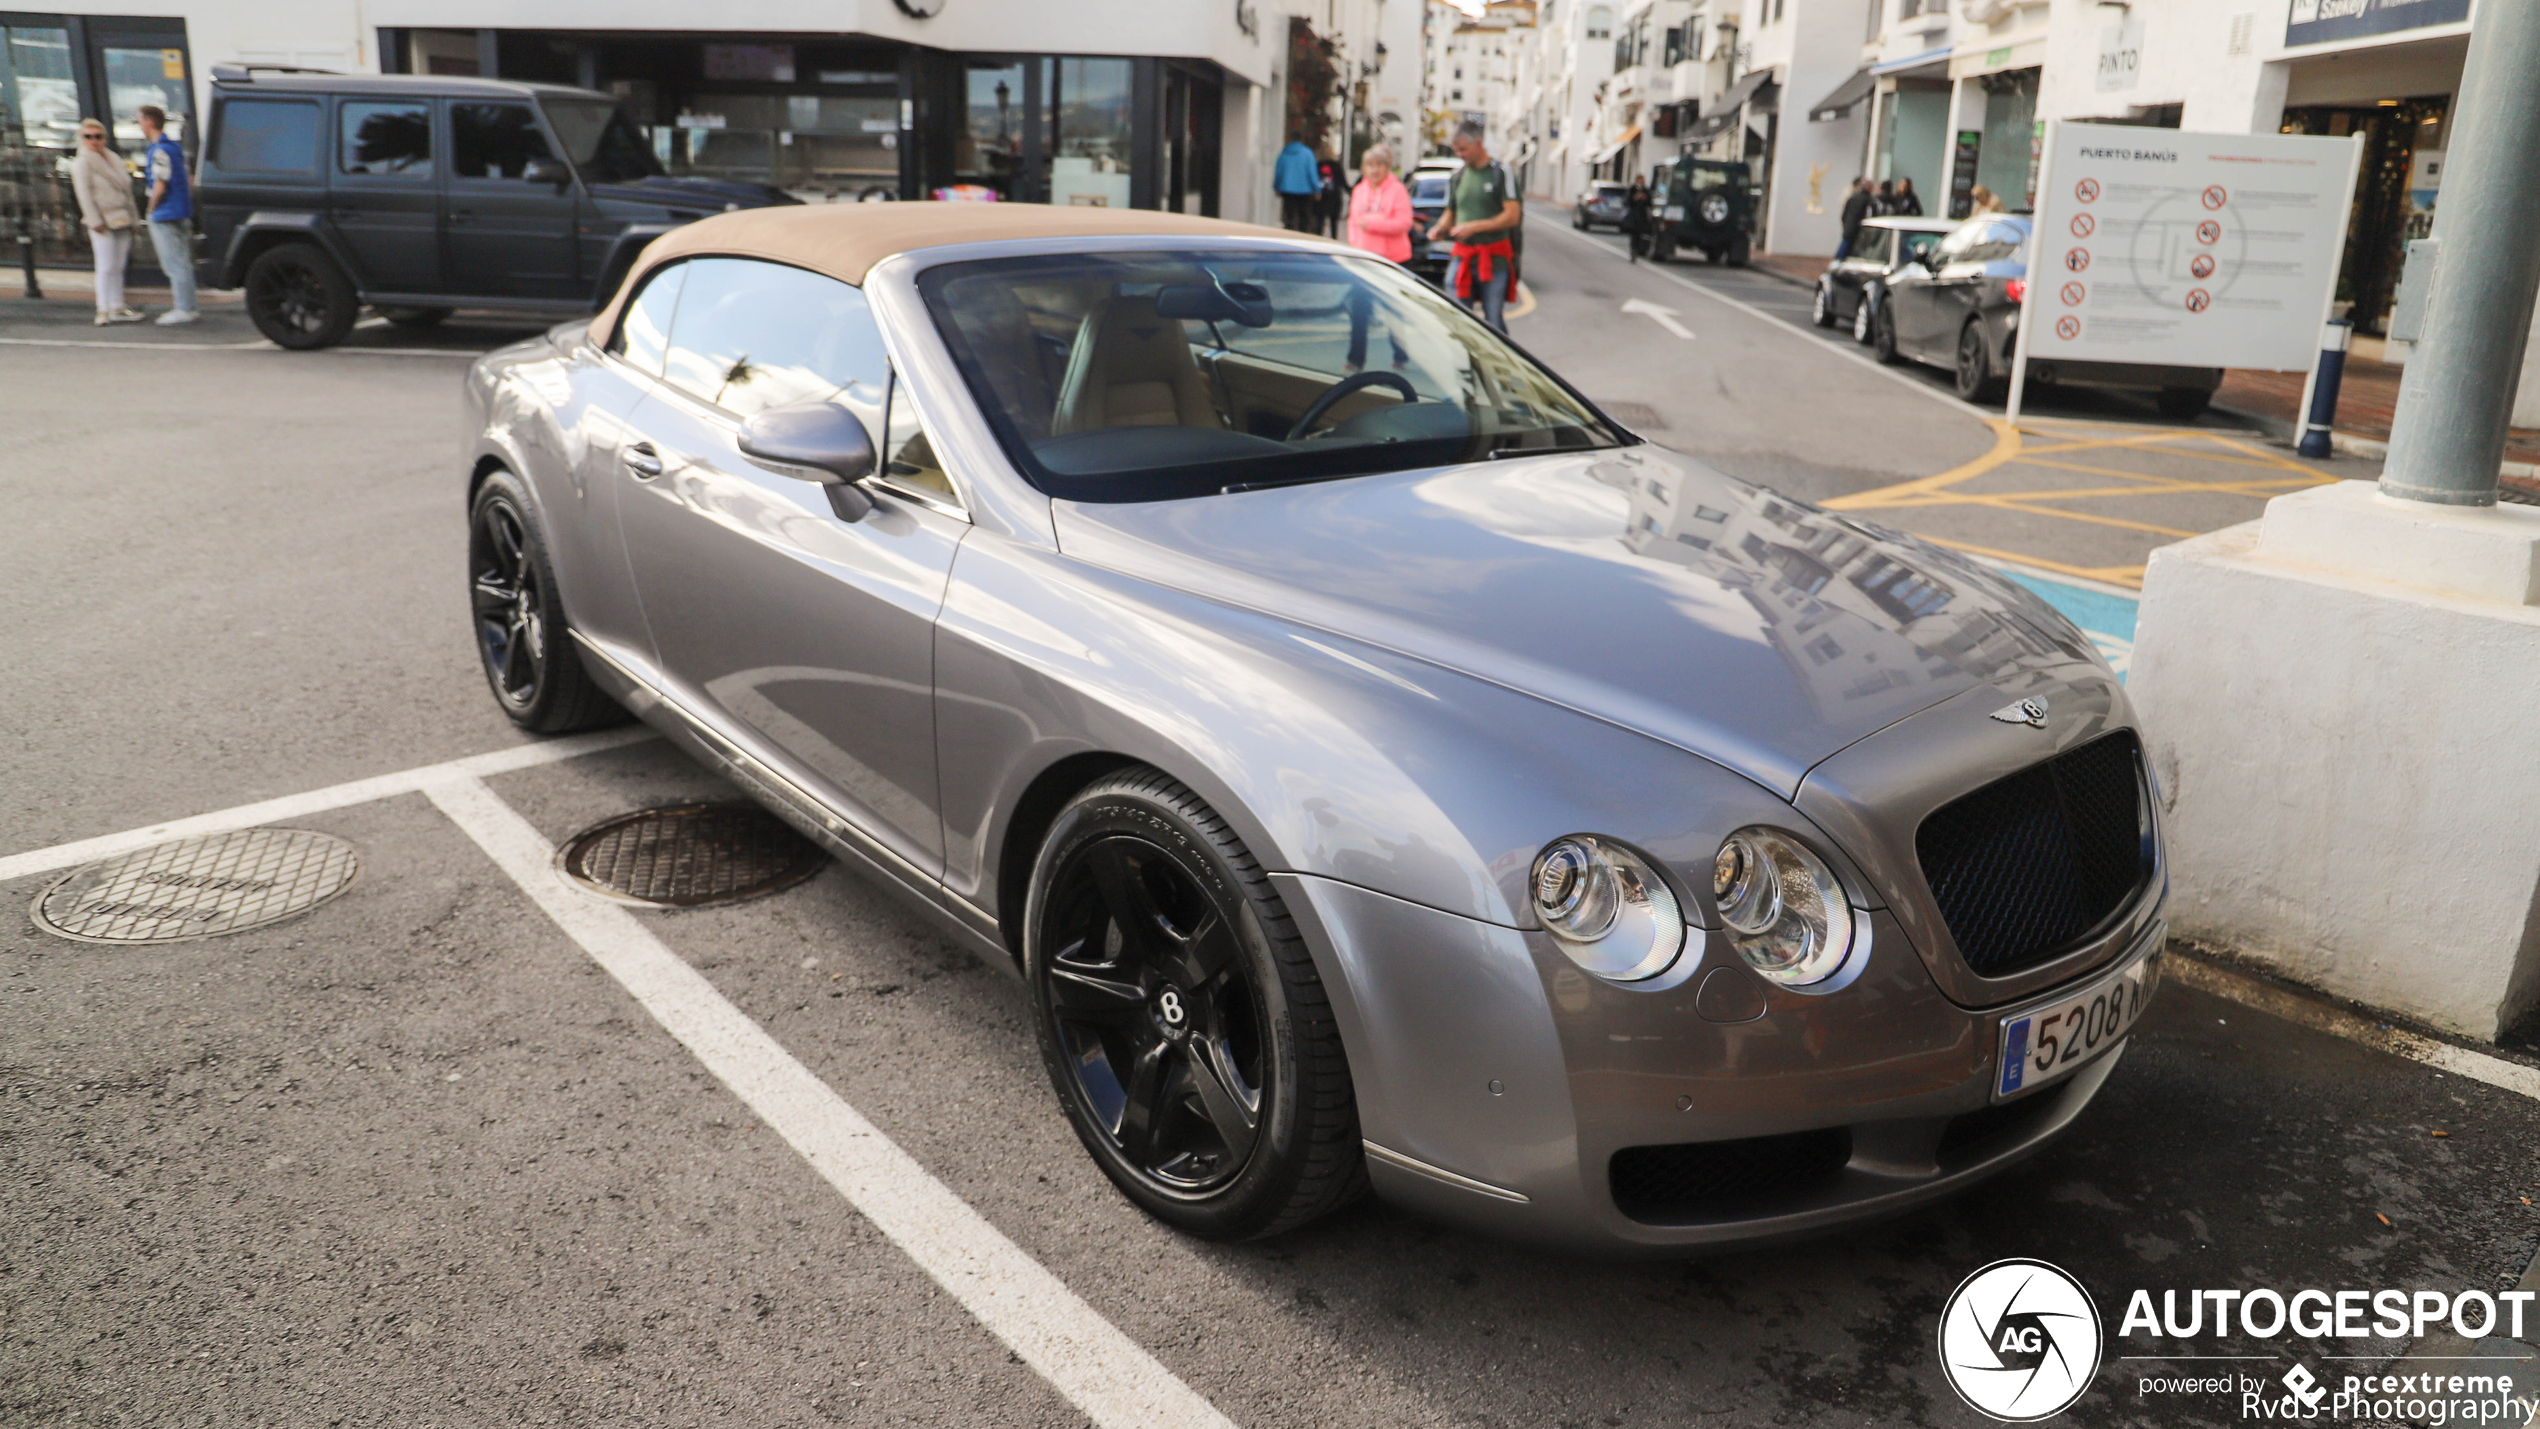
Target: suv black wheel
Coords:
[(416, 318), (530, 663), (1181, 1018), (1976, 382), (1883, 332), (298, 298), (2183, 404)]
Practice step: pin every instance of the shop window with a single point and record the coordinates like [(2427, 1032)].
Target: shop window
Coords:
[(267, 136), (495, 141), (989, 146), (383, 139), (1089, 114), (139, 75), (750, 335), (37, 86)]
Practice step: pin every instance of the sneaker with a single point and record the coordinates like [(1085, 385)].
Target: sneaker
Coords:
[(178, 317), (127, 315), (104, 317)]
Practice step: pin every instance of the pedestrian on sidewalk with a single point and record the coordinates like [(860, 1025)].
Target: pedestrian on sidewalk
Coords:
[(1856, 208), (104, 189), (1636, 218), (1905, 201), (1982, 200), (1298, 181), (171, 212), (1327, 204), (1482, 215), (1380, 223)]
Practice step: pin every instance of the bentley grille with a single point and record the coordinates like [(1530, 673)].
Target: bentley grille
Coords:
[(2027, 865)]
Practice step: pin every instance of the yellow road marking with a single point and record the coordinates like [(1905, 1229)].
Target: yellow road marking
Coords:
[(2006, 445), (2120, 575)]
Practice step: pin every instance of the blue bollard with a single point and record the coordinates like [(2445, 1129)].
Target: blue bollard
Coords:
[(2334, 340)]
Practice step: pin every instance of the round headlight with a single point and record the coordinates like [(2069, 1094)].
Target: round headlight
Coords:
[(1608, 910), (1785, 912)]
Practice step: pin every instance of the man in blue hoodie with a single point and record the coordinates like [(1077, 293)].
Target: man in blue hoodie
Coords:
[(1298, 178), (171, 212)]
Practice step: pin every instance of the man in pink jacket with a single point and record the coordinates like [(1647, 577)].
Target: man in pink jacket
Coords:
[(1380, 223)]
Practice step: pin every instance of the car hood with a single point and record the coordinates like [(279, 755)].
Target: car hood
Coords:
[(711, 195), (1638, 586)]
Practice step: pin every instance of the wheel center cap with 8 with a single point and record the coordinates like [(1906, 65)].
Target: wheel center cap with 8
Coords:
[(1172, 1008)]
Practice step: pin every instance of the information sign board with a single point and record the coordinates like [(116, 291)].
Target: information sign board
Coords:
[(2193, 250)]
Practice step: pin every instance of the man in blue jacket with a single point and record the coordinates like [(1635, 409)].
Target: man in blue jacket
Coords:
[(171, 211), (1299, 182)]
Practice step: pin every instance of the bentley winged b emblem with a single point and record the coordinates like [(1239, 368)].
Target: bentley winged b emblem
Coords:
[(2030, 712)]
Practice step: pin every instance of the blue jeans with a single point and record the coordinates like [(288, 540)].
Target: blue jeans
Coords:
[(173, 241), (1491, 294)]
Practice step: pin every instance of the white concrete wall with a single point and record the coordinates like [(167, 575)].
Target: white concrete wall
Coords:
[(1816, 46)]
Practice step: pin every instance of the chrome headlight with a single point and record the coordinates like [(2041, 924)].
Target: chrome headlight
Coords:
[(1785, 912), (1608, 910)]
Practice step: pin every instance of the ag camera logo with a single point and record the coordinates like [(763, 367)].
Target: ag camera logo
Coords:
[(2019, 1341)]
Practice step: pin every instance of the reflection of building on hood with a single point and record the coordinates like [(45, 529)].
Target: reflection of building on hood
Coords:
[(1854, 617)]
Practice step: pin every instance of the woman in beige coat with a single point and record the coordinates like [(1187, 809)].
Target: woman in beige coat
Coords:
[(104, 187)]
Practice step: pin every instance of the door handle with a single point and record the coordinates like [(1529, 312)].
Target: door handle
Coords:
[(461, 215), (642, 460)]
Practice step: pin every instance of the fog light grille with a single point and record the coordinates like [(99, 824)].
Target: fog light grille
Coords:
[(1713, 1179)]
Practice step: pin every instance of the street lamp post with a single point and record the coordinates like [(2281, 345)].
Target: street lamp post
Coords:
[(2447, 438)]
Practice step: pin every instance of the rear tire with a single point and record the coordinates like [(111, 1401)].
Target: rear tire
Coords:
[(1821, 312), (2183, 404), (1974, 369), (517, 617), (1181, 1019), (298, 298)]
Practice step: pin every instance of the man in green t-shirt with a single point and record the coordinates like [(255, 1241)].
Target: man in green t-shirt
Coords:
[(1482, 214)]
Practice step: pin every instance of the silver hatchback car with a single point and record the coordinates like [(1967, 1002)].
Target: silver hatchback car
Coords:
[(1381, 768)]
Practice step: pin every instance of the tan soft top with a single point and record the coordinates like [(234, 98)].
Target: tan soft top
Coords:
[(845, 240)]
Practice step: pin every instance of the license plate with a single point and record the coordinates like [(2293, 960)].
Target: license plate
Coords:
[(2048, 1043), (1674, 213)]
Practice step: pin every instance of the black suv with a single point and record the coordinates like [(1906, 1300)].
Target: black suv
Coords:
[(1704, 204), (416, 194)]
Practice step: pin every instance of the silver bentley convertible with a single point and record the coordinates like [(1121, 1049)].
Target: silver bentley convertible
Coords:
[(1381, 768)]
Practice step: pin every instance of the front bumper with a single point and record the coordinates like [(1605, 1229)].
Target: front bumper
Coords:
[(1496, 1082)]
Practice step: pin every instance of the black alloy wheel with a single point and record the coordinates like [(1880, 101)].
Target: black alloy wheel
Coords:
[(1883, 332), (1975, 363), (529, 661), (298, 298), (1181, 1018), (1861, 318), (1821, 312)]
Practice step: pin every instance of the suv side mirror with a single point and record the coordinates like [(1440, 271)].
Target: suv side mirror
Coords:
[(815, 441), (546, 171)]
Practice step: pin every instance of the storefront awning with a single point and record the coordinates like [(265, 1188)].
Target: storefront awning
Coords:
[(1749, 85), (1610, 150), (1847, 97), (1935, 61)]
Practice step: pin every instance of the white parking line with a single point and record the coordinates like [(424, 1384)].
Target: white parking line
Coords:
[(2327, 1017), (1085, 1357), (334, 796)]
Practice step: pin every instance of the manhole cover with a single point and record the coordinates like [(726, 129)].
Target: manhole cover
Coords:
[(198, 888), (1639, 416), (690, 854)]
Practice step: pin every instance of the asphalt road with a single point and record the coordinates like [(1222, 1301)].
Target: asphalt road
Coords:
[(415, 1158)]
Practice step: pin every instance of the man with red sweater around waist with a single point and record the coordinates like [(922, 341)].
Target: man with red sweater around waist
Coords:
[(1482, 214)]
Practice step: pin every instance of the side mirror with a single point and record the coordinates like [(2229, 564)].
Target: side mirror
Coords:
[(546, 171), (815, 441)]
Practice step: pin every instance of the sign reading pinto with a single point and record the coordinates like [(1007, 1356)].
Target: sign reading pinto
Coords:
[(2204, 250)]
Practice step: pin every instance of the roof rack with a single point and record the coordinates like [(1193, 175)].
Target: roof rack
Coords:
[(250, 71)]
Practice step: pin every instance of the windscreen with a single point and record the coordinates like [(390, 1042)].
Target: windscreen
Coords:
[(1428, 188), (1152, 376), (604, 148)]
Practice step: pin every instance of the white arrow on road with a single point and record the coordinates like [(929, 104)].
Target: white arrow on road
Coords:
[(1664, 317)]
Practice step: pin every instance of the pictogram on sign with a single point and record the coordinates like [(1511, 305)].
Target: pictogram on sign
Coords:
[(2068, 328), (2198, 300), (2201, 266), (2208, 231), (2077, 259), (2215, 197), (2084, 225), (2087, 190), (2073, 294)]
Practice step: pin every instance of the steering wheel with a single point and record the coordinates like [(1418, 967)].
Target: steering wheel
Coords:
[(1359, 382)]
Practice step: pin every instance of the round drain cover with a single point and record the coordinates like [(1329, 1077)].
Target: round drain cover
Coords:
[(690, 854), (198, 888)]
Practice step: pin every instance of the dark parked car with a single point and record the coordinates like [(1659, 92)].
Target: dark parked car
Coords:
[(323, 193), (1428, 199), (1604, 202), (1958, 307), (1853, 286), (1708, 206)]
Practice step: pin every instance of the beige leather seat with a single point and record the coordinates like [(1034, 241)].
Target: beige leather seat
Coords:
[(1132, 368)]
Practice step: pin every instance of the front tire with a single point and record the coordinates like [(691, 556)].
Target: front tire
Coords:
[(298, 298), (1861, 320), (1883, 333), (1821, 312), (518, 618), (1185, 1029)]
